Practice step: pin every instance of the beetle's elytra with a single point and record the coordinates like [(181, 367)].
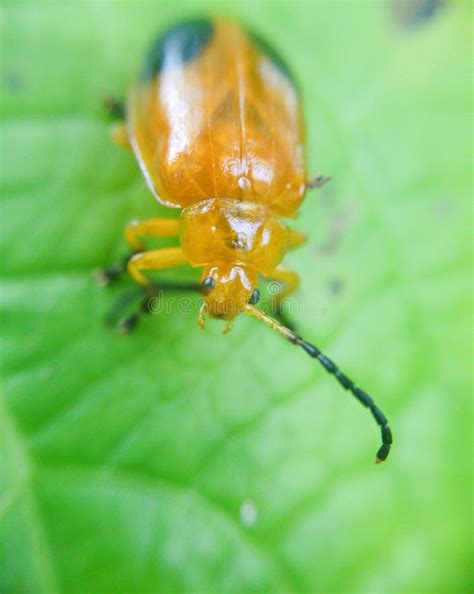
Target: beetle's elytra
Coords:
[(215, 124)]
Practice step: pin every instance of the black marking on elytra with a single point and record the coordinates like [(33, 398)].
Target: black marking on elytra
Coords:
[(272, 54), (416, 13), (177, 45)]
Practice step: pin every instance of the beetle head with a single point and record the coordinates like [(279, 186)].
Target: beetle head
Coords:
[(227, 289)]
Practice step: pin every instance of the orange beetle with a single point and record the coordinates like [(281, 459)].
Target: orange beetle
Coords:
[(215, 124)]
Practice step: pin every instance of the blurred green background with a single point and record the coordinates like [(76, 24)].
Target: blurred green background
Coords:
[(175, 460)]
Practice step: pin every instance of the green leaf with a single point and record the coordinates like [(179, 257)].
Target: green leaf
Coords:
[(175, 460)]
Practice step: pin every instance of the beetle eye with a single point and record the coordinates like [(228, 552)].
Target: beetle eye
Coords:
[(207, 285), (255, 297)]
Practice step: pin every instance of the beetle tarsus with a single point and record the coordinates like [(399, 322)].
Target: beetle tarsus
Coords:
[(114, 107), (129, 323), (318, 182), (106, 276)]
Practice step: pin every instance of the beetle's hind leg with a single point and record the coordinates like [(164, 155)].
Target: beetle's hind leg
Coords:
[(156, 227)]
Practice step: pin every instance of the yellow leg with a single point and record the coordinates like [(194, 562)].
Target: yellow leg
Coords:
[(296, 239), (290, 283), (154, 260), (150, 228), (119, 135)]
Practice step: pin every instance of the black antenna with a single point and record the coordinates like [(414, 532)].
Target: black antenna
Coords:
[(333, 369)]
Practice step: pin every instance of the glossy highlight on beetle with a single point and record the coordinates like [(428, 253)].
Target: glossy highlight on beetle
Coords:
[(215, 124), (218, 119)]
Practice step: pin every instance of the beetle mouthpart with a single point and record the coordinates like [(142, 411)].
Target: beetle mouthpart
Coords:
[(201, 318), (228, 327)]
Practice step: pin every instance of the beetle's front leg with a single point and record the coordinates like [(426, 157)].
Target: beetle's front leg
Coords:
[(152, 260), (134, 231)]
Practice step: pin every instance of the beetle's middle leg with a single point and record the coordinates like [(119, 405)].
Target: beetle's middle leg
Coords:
[(156, 227), (286, 283)]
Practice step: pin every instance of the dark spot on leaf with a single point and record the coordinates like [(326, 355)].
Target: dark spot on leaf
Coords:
[(13, 81), (336, 227), (443, 207), (336, 286)]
